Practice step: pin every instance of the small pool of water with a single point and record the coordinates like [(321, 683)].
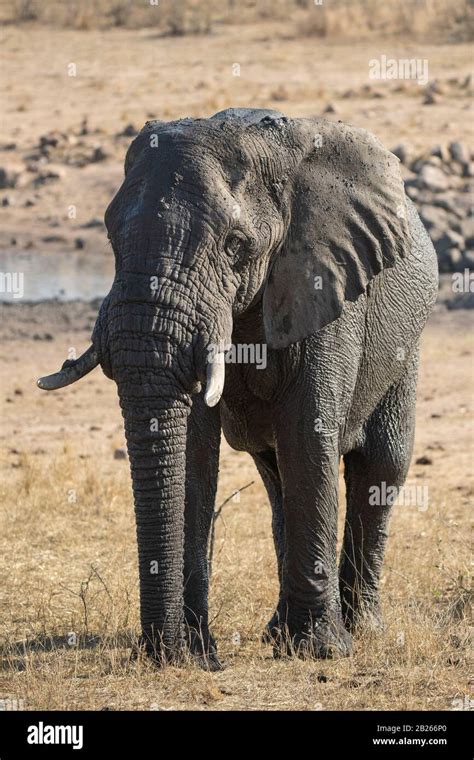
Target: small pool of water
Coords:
[(28, 276)]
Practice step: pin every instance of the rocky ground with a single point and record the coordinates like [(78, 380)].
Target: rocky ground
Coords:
[(440, 182)]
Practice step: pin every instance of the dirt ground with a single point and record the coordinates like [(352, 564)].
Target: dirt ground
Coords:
[(68, 554), (69, 591)]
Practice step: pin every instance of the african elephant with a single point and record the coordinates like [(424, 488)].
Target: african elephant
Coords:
[(250, 228)]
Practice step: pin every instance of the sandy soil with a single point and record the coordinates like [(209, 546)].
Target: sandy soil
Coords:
[(68, 555)]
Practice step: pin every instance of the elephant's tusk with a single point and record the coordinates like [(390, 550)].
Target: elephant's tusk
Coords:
[(70, 371), (215, 379)]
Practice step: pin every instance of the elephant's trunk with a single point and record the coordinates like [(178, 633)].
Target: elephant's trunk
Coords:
[(155, 427)]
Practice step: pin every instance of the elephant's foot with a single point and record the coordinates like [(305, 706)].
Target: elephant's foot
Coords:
[(199, 647), (272, 625), (202, 649), (157, 652), (324, 637), (362, 613)]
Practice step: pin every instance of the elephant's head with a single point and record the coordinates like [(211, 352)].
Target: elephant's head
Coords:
[(214, 216)]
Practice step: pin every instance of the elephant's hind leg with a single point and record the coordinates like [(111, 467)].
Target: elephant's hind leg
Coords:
[(373, 476)]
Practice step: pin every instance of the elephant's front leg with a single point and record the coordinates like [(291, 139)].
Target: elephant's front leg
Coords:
[(310, 618), (202, 465)]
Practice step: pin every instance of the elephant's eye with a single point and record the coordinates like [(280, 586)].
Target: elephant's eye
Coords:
[(236, 246)]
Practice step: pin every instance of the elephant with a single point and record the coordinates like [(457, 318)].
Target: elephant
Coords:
[(250, 228)]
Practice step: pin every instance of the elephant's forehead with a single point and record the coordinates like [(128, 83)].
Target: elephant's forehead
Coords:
[(195, 145)]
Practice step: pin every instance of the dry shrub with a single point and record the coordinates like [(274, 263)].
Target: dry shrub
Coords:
[(348, 19), (340, 19), (120, 12), (186, 17), (25, 10), (175, 18)]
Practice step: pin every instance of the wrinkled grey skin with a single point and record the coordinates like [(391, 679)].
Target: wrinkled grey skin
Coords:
[(237, 217)]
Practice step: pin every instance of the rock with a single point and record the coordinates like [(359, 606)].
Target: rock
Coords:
[(84, 128), (455, 258), (10, 175), (456, 168), (460, 301), (425, 159), (448, 201), (431, 99), (412, 192), (95, 222), (435, 87), (99, 154), (53, 239), (450, 261), (467, 231), (458, 152), (464, 203), (449, 239), (401, 152), (31, 161), (120, 454), (79, 243), (7, 200), (468, 83), (46, 176), (424, 460), (129, 131), (407, 175), (468, 259), (330, 108), (52, 139), (440, 152), (432, 178), (433, 217)]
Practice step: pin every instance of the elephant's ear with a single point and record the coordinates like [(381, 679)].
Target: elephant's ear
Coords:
[(348, 221)]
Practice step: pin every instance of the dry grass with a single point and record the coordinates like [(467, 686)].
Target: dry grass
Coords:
[(424, 19), (337, 19), (70, 590)]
